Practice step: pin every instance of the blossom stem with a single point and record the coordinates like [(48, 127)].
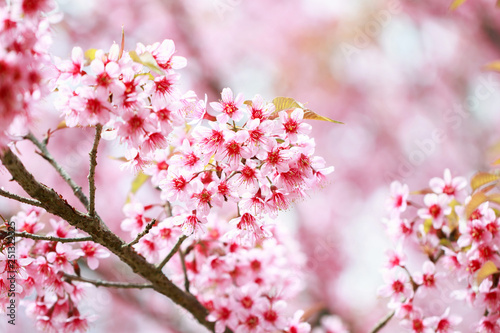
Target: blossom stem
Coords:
[(382, 322), (44, 152), (172, 252), (100, 283), (142, 234), (16, 197), (93, 164), (52, 238)]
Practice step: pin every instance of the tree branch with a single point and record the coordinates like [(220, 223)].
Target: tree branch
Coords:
[(19, 198), (142, 234), (77, 190), (25, 234), (382, 322), (186, 280), (172, 252), (93, 164), (100, 283), (55, 204)]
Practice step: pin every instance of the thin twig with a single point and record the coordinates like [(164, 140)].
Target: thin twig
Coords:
[(52, 238), (186, 280), (168, 209), (142, 234), (77, 190), (172, 252), (100, 283), (93, 164), (382, 322), (20, 198)]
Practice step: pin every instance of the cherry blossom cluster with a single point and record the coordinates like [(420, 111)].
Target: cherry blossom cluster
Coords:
[(136, 99), (24, 42), (245, 287), (250, 156), (41, 269), (457, 231)]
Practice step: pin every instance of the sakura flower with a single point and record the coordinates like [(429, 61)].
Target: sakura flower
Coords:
[(229, 106), (292, 125), (247, 229), (437, 208), (223, 314), (397, 286), (272, 314), (93, 252), (202, 198), (210, 139), (331, 324), (105, 71), (395, 258), (416, 323), (473, 232), (135, 221), (259, 109), (233, 149), (71, 68), (164, 55), (191, 224), (177, 185), (62, 256), (397, 202), (448, 185), (489, 324), (247, 178), (297, 325), (427, 278)]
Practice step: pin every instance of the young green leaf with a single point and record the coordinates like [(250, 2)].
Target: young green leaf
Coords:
[(138, 181), (456, 3), (147, 60), (285, 103), (482, 178), (489, 268), (476, 199), (493, 66)]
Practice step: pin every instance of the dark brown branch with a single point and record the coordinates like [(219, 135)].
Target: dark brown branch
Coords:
[(77, 190), (24, 234), (172, 252), (100, 283), (93, 164), (20, 198), (382, 322), (142, 234), (55, 204)]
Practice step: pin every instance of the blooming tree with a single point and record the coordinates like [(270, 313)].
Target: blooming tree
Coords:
[(222, 171)]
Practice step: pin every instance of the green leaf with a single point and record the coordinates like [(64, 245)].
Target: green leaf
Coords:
[(139, 180), (482, 178), (456, 3), (489, 268), (147, 60)]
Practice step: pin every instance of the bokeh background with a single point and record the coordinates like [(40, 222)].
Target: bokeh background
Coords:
[(406, 77)]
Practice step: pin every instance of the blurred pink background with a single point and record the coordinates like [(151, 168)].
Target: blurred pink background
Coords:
[(406, 78)]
